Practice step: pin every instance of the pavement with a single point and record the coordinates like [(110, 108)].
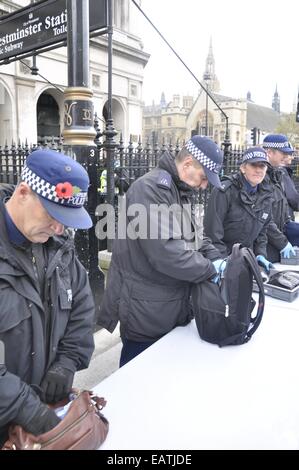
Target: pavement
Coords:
[(104, 361)]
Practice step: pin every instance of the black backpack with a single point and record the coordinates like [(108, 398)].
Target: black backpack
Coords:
[(223, 312)]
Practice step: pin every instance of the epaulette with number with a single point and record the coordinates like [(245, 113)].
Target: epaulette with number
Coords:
[(164, 179), (226, 184)]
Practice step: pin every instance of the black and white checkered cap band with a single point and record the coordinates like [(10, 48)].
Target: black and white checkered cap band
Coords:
[(202, 158), (251, 155), (48, 190), (276, 145)]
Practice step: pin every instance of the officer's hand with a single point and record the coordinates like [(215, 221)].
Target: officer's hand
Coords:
[(287, 251), (44, 420), (56, 384), (219, 265), (262, 261)]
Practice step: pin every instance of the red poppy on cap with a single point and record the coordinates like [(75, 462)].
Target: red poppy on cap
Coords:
[(64, 190)]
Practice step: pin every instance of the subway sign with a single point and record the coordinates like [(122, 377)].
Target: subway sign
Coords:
[(43, 24)]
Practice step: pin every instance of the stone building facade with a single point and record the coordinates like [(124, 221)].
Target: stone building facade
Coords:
[(182, 117), (167, 120), (32, 108)]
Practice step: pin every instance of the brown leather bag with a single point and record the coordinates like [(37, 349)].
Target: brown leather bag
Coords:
[(83, 428)]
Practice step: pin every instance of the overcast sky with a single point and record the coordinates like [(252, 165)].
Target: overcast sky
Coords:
[(255, 45)]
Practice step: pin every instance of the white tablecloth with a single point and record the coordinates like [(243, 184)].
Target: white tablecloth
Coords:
[(184, 393)]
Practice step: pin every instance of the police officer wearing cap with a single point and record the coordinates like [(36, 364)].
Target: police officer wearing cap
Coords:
[(46, 306), (291, 192), (148, 288), (240, 210), (282, 232)]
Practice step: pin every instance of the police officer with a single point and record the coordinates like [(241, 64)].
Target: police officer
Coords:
[(282, 232), (240, 211), (46, 306), (291, 192), (153, 266)]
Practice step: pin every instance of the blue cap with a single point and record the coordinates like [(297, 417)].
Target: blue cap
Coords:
[(279, 142), (209, 155), (255, 154), (61, 184)]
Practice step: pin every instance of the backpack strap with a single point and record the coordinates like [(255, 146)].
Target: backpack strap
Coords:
[(249, 256)]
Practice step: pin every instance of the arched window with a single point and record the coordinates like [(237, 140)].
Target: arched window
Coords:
[(118, 116), (6, 131), (48, 124), (205, 123)]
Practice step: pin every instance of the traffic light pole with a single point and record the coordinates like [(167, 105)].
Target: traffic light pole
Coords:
[(254, 135)]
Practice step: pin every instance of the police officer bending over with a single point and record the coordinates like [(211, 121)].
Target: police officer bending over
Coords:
[(149, 279), (46, 306)]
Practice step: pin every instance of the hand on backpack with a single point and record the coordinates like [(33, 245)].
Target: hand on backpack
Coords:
[(287, 251), (219, 265), (262, 261)]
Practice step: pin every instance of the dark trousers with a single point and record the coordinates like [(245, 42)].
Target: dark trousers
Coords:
[(291, 230), (131, 349)]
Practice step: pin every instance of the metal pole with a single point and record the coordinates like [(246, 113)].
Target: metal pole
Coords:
[(79, 132), (110, 131), (78, 42), (207, 115), (206, 78)]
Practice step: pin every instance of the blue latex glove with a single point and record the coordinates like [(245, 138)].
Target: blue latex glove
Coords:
[(262, 261), (219, 265), (287, 251)]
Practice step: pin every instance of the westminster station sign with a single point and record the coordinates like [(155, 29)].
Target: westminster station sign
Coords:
[(43, 24)]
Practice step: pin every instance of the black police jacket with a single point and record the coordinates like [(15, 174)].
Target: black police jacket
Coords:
[(291, 192), (29, 347), (234, 216), (280, 209), (149, 279)]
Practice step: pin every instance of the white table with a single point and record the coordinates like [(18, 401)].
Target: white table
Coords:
[(184, 393)]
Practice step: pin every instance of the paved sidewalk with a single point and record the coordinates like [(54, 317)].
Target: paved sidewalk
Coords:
[(104, 361)]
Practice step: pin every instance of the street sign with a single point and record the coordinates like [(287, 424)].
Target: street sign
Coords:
[(43, 24)]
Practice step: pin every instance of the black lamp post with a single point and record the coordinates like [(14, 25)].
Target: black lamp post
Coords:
[(110, 132), (79, 132)]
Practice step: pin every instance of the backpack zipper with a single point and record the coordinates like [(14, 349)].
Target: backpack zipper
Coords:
[(225, 296), (226, 311)]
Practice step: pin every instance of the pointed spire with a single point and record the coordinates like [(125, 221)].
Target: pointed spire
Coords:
[(211, 48), (276, 101), (209, 75), (163, 100)]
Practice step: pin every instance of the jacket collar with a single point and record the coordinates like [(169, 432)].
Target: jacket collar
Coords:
[(58, 246), (167, 163)]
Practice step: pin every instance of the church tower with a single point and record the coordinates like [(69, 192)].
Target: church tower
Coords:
[(209, 76), (276, 101)]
